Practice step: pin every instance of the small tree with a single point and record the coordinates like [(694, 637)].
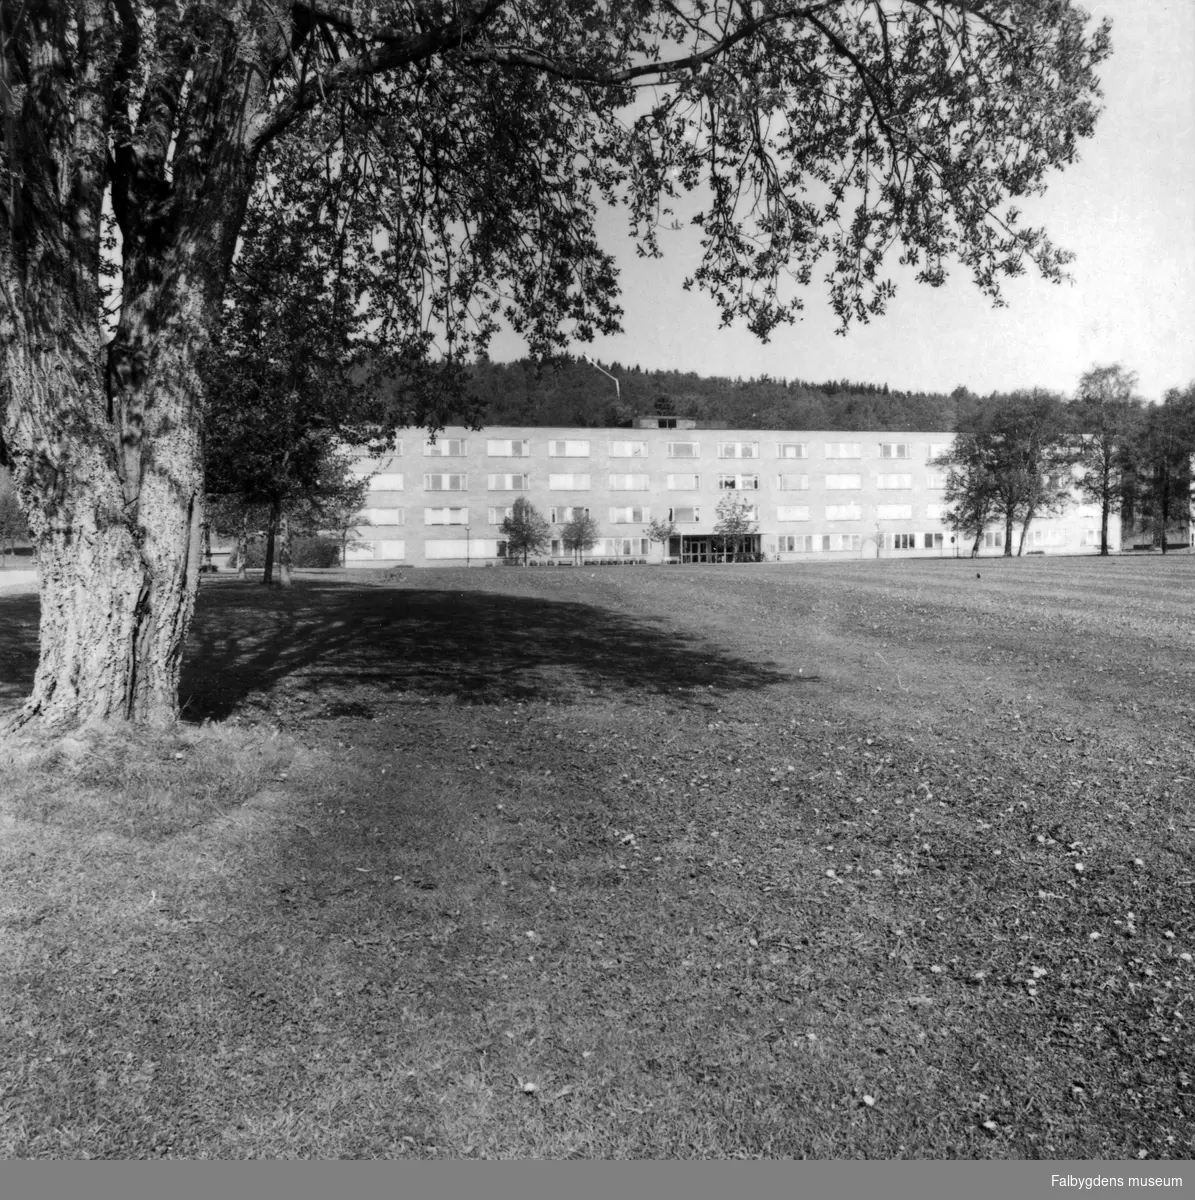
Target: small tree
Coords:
[(1107, 417), (734, 524), (662, 531), (580, 533), (969, 493), (526, 530), (1161, 483), (12, 520)]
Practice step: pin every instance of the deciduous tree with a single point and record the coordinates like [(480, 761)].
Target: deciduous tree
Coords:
[(526, 530), (1160, 482), (479, 137), (662, 530), (735, 524), (1106, 415), (579, 533), (969, 493)]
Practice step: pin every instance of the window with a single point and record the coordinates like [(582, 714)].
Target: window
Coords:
[(792, 450), (843, 450), (738, 449), (614, 547), (392, 550), (444, 448), (361, 552), (446, 483), (628, 449), (935, 481), (838, 542), (386, 516), (843, 483), (904, 541), (792, 483), (454, 548), (937, 450), (844, 512), (792, 512), (684, 516), (684, 483), (568, 449), (497, 515), (1091, 537), (629, 516), (446, 516), (935, 512), (630, 483), (556, 547), (684, 450), (1047, 537), (508, 483), (562, 516), (795, 543), (895, 450), (933, 541), (568, 483), (498, 448), (387, 481), (739, 482), (894, 512), (892, 483), (994, 539)]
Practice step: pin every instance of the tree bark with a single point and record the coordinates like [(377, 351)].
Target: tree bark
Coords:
[(1104, 525), (242, 547), (1008, 524), (117, 579), (283, 548), (267, 577)]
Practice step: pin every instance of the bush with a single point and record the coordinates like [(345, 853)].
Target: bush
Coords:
[(312, 551)]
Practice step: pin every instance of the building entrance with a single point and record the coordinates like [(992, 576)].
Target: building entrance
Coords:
[(708, 548)]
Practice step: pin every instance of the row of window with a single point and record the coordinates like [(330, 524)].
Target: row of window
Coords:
[(519, 482), (681, 514), (810, 543), (640, 547), (580, 448)]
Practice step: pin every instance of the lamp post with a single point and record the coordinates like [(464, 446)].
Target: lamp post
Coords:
[(617, 389)]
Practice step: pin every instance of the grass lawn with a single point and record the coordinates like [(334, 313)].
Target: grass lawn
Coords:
[(876, 860)]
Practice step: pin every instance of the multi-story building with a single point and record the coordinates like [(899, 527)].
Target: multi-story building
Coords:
[(812, 495)]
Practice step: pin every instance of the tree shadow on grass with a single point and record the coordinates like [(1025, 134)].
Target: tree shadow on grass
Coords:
[(18, 646), (477, 647)]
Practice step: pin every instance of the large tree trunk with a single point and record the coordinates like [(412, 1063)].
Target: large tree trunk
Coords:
[(283, 548), (118, 572), (1104, 525), (1008, 524), (267, 576)]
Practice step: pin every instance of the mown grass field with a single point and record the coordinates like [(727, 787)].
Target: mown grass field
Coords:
[(878, 860)]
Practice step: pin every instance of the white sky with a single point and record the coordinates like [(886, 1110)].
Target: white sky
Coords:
[(1127, 209)]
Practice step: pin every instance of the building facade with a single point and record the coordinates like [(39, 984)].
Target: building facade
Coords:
[(812, 495)]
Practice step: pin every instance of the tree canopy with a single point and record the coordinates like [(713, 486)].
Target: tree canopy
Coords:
[(463, 147)]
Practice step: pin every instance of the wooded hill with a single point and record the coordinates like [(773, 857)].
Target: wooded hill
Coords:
[(575, 393)]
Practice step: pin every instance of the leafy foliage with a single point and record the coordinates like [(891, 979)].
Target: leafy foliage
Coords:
[(969, 494), (579, 533), (1107, 416), (662, 530), (1013, 463), (526, 530), (734, 524), (1158, 486)]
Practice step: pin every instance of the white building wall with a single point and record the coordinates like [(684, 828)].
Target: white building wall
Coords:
[(826, 494)]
